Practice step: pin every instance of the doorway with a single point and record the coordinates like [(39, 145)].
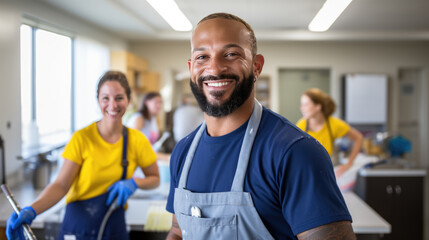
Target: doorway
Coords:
[(294, 82)]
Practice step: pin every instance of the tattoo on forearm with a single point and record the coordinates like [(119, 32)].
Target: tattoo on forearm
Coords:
[(175, 225), (175, 233), (333, 231)]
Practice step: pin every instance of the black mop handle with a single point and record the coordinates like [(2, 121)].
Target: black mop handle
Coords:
[(27, 230), (3, 160)]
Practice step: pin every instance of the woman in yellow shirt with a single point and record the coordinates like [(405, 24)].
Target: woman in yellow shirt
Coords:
[(99, 162), (317, 108)]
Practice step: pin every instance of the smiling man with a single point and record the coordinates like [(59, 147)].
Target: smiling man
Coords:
[(247, 172)]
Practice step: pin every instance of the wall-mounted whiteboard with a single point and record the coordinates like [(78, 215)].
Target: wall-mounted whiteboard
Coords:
[(365, 98)]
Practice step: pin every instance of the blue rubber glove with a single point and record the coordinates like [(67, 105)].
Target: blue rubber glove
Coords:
[(14, 223), (122, 189)]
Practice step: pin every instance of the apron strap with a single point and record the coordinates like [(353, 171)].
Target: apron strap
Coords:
[(243, 160), (331, 137), (190, 156), (246, 148), (124, 152)]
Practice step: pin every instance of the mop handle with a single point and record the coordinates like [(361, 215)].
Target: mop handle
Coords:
[(27, 230)]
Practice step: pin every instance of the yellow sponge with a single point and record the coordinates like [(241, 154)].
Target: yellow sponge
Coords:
[(158, 219)]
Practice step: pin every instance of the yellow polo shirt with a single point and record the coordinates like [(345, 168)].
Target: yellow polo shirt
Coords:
[(100, 161), (339, 129)]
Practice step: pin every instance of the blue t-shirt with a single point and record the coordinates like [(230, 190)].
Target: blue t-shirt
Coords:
[(290, 175)]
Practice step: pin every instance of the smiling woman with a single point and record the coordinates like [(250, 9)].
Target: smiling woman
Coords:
[(99, 162), (113, 94)]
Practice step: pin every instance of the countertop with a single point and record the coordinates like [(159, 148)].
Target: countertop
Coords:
[(136, 215), (25, 194), (365, 219), (392, 172), (146, 208)]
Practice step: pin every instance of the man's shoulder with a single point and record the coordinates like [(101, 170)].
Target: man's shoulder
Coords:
[(274, 125), (270, 116), (278, 137)]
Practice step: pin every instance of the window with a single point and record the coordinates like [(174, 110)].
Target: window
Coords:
[(46, 85), (92, 59)]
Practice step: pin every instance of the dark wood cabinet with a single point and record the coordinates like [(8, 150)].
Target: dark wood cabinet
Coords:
[(398, 199)]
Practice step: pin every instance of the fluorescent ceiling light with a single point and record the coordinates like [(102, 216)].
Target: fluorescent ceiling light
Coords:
[(327, 15), (171, 13)]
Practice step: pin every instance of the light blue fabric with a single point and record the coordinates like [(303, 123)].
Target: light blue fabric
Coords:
[(224, 215), (287, 170)]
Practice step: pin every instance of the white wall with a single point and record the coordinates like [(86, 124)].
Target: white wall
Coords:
[(11, 14)]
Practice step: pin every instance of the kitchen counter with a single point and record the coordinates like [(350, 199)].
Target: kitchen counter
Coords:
[(392, 172), (25, 194), (365, 219), (394, 191), (136, 215)]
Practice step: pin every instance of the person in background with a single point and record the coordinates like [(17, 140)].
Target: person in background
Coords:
[(145, 119), (99, 161), (247, 172), (187, 117), (317, 108)]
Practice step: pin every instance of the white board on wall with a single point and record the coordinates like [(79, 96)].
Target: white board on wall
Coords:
[(366, 98)]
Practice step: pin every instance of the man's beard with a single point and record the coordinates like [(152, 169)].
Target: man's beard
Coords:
[(240, 94)]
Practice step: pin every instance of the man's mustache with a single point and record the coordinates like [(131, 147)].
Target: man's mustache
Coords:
[(212, 78)]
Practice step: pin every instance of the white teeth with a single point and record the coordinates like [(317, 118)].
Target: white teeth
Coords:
[(112, 113), (217, 84)]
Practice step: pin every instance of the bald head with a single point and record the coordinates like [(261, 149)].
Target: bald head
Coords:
[(227, 16)]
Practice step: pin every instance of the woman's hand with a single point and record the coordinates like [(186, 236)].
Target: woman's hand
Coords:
[(14, 228), (121, 190), (341, 169), (356, 137)]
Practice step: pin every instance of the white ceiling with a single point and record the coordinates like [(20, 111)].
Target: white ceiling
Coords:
[(271, 19)]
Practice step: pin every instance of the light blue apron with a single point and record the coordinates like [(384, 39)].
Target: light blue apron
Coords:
[(221, 215)]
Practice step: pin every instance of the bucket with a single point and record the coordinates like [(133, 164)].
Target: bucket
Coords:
[(41, 174), (164, 171)]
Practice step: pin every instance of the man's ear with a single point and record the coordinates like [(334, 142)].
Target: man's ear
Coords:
[(189, 65), (258, 64)]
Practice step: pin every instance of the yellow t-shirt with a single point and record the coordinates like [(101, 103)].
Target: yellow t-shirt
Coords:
[(100, 161), (339, 128)]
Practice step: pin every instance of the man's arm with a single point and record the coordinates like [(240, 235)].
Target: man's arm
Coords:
[(332, 231), (175, 232)]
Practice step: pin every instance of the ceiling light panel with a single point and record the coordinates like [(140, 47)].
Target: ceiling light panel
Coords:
[(172, 14), (327, 15)]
